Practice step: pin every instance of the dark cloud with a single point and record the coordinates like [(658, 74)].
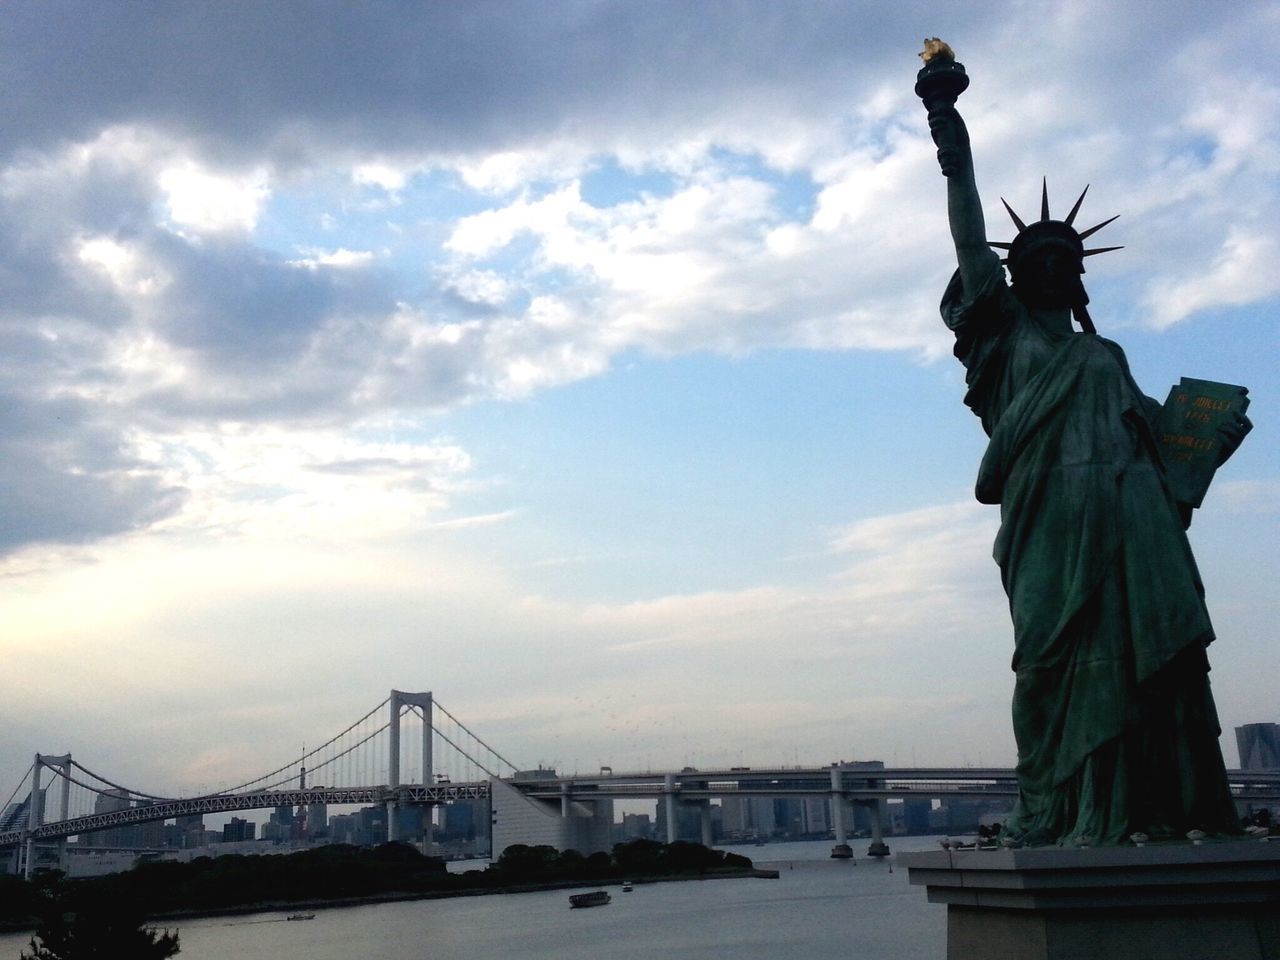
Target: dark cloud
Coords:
[(66, 477), (279, 78)]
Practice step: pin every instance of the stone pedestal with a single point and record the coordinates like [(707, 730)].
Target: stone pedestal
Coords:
[(1175, 902)]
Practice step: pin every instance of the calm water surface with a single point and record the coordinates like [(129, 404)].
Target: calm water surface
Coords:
[(818, 909)]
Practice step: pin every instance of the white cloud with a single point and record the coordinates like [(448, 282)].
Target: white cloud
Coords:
[(478, 520), (484, 233), (340, 258), (273, 484), (211, 202), (507, 171), (486, 287), (1243, 272), (385, 176), (121, 264)]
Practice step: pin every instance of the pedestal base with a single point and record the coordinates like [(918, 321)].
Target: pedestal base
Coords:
[(1178, 902)]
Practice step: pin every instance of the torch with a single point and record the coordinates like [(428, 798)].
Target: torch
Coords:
[(939, 84)]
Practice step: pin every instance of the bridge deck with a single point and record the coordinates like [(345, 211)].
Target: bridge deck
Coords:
[(857, 783)]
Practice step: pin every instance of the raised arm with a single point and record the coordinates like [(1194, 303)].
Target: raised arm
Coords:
[(964, 207)]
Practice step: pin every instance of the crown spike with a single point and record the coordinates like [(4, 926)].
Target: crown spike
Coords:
[(999, 246), (1071, 217), (1044, 199), (1097, 250), (1085, 234), (1017, 221)]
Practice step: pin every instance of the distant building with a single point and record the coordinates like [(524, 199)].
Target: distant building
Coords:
[(149, 833), (1259, 745), (636, 826), (688, 821), (189, 831), (817, 815), (113, 801), (743, 817), (16, 814), (317, 820), (343, 827), (237, 830), (915, 815)]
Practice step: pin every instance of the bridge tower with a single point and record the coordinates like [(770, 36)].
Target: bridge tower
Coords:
[(400, 701), (35, 806)]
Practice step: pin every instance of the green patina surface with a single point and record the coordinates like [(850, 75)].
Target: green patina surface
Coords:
[(1112, 712)]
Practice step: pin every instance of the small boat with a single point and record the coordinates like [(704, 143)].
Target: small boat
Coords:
[(301, 916), (596, 898), (626, 886)]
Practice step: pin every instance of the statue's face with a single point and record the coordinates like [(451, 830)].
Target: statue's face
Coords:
[(1049, 276)]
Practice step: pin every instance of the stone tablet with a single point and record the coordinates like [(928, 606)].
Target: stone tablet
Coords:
[(1189, 433)]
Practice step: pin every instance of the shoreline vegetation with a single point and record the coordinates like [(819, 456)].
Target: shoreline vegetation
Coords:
[(344, 876)]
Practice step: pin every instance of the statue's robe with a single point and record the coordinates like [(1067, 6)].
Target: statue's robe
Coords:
[(1115, 724)]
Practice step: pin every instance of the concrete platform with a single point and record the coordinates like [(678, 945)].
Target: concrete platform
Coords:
[(1162, 902)]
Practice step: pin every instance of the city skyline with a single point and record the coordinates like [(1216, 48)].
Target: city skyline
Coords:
[(579, 362)]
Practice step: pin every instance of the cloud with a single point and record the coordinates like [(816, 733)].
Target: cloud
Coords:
[(478, 520), (561, 188), (1240, 274), (818, 671), (207, 202), (340, 258)]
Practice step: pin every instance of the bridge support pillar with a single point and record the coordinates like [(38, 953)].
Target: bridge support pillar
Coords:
[(669, 798), (705, 822), (840, 850), (878, 847), (64, 807)]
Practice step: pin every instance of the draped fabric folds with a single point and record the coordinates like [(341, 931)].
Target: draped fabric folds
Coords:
[(1114, 721)]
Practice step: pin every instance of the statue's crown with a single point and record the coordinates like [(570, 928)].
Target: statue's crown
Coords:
[(1049, 231)]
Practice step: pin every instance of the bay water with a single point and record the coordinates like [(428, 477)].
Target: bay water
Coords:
[(818, 909)]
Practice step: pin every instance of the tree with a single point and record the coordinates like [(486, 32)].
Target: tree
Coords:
[(77, 926)]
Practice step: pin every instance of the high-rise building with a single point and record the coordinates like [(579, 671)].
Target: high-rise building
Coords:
[(190, 831), (817, 815), (15, 815), (112, 801), (149, 833), (317, 820), (236, 830), (637, 826), (1259, 745)]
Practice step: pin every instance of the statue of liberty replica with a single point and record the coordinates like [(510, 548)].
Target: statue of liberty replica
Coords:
[(1115, 724)]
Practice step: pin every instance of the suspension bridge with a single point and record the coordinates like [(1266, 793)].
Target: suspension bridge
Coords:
[(410, 751), (379, 759)]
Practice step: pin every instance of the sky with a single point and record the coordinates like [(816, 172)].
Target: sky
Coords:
[(577, 361)]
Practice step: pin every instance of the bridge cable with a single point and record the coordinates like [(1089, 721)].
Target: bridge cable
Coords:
[(247, 783), (100, 791), (310, 754), (130, 792), (17, 788), (135, 793), (481, 742), (445, 737), (336, 756)]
